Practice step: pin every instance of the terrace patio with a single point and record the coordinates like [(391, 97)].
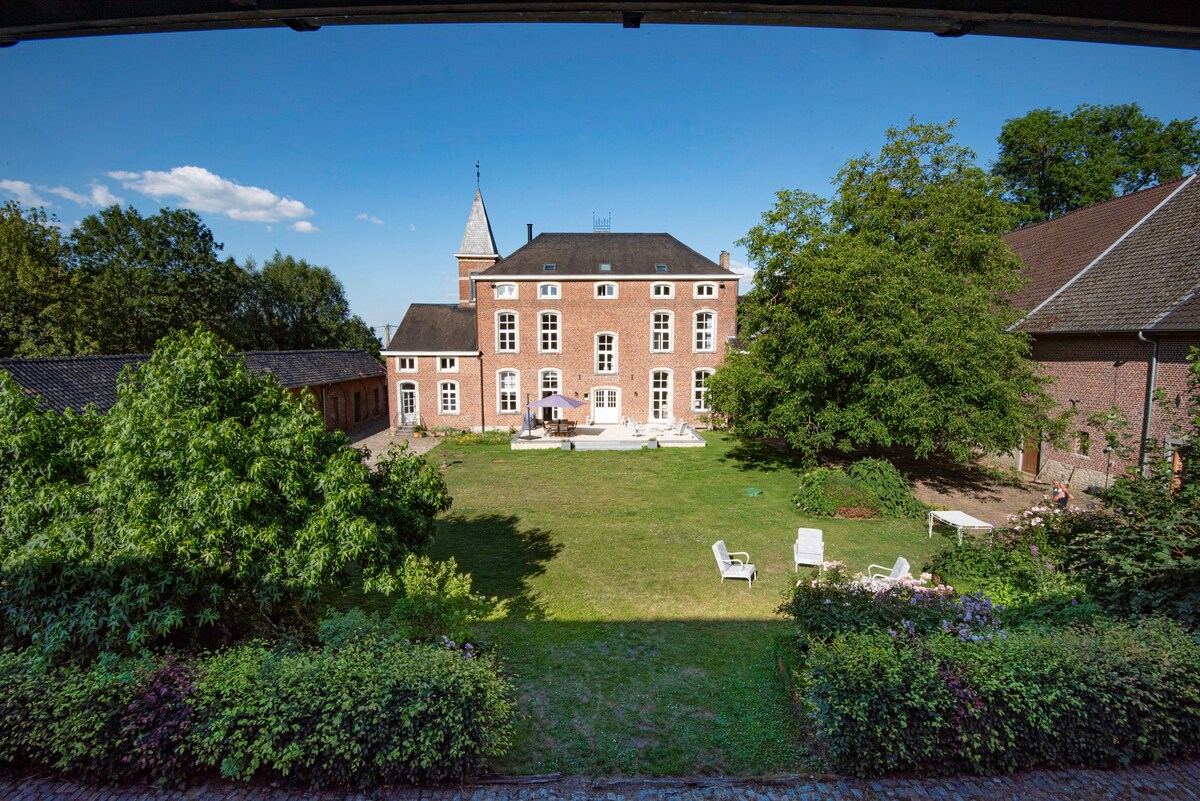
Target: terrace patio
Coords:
[(607, 438)]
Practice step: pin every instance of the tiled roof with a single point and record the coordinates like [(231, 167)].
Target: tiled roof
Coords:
[(72, 381), (76, 381), (306, 368), (436, 328), (1055, 250), (628, 254), (1146, 281), (477, 238)]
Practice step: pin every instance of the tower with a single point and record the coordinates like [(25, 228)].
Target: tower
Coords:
[(477, 251)]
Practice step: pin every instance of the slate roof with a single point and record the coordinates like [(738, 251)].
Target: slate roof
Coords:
[(1147, 280), (477, 238), (76, 381), (436, 328), (582, 254), (1056, 250)]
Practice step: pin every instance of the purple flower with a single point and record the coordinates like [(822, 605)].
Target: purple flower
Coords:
[(1033, 548)]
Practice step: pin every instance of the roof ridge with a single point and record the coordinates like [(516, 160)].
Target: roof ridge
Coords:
[(76, 357), (1100, 203)]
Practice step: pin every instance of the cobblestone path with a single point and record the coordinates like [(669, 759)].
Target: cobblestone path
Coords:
[(1179, 781)]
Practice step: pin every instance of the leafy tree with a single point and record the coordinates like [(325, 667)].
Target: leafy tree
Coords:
[(1055, 162), (206, 504), (36, 291), (877, 318), (147, 277), (295, 305)]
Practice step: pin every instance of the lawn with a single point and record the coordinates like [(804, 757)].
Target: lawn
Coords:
[(629, 655)]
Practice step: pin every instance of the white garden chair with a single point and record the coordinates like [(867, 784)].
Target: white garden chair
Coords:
[(731, 567), (634, 429), (879, 574), (809, 547)]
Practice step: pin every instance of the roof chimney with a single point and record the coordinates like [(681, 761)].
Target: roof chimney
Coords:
[(528, 232), (724, 259)]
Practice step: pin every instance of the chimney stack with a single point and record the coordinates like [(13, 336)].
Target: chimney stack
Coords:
[(528, 232), (724, 260)]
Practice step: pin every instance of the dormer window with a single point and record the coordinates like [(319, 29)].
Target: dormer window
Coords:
[(506, 291), (605, 267), (660, 268), (550, 267)]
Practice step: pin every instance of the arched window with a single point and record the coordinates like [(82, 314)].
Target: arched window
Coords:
[(661, 331), (506, 332), (606, 353), (700, 390), (606, 290), (660, 394), (705, 324), (548, 327), (507, 390), (662, 290), (506, 291), (448, 397)]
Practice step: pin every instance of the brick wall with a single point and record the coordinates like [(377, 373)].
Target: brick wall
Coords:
[(581, 317), (336, 401), (427, 380), (1094, 373)]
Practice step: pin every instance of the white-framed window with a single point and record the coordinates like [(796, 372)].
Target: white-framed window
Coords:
[(606, 290), (506, 291), (660, 394), (550, 382), (447, 364), (704, 328), (700, 390), (448, 397), (549, 291), (406, 364), (506, 332), (507, 386), (548, 332), (661, 330), (660, 290), (606, 353), (704, 290)]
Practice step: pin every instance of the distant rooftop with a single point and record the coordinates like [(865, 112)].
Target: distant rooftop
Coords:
[(625, 255)]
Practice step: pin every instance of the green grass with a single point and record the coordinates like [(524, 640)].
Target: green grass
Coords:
[(629, 655)]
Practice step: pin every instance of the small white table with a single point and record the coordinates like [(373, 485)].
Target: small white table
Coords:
[(959, 520)]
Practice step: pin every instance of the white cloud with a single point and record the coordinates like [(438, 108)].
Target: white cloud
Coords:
[(371, 218), (26, 194), (746, 272), (201, 190), (305, 227), (98, 196)]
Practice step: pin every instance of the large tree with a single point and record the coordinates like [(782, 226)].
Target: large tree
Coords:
[(295, 305), (147, 277), (36, 291), (1054, 162), (207, 501), (877, 317)]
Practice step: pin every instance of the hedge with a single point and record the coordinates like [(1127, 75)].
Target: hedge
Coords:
[(1100, 696), (361, 715)]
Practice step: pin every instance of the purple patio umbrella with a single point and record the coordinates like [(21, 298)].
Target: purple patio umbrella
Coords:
[(556, 402)]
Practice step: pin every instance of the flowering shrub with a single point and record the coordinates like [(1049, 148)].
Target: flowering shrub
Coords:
[(1101, 696), (834, 602)]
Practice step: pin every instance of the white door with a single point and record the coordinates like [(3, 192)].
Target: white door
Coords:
[(408, 404), (606, 406)]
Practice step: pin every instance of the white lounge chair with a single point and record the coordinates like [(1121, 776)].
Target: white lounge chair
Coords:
[(731, 567), (634, 429), (809, 547), (680, 428), (885, 575)]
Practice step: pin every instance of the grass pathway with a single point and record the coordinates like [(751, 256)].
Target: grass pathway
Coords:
[(629, 655)]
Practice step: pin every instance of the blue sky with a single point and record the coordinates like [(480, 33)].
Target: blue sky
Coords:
[(355, 147)]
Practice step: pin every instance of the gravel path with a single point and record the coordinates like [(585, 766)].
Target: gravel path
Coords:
[(1178, 781)]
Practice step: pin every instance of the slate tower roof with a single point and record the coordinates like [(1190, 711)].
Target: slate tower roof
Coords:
[(477, 238)]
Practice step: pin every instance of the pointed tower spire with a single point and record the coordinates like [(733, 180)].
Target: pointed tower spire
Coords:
[(478, 249)]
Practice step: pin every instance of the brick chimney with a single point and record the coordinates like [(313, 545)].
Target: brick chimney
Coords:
[(724, 260)]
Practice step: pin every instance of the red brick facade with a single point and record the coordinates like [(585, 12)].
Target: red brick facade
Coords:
[(1094, 373), (581, 317), (347, 404)]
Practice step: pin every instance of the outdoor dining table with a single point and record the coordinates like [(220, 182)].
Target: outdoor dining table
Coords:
[(559, 428)]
